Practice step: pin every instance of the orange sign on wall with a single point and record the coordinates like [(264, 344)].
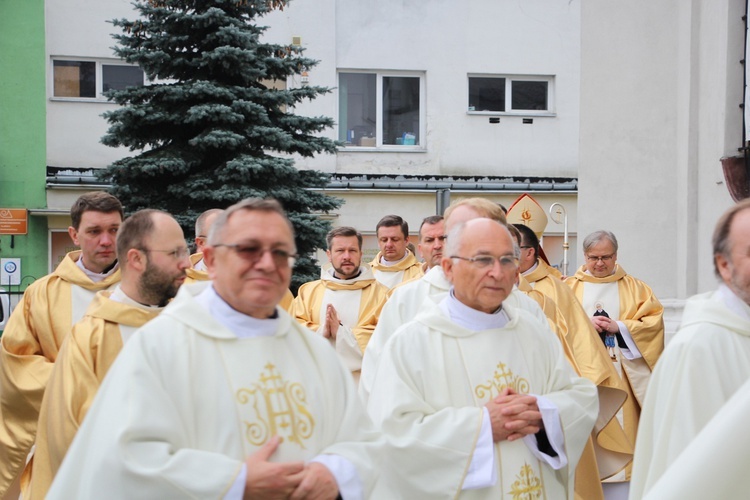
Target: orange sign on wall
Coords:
[(14, 221)]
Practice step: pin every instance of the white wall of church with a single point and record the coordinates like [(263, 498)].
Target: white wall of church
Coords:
[(661, 86)]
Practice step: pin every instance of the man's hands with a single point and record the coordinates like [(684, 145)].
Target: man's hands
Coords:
[(604, 324), (294, 480), (270, 480), (317, 484), (332, 323), (514, 416)]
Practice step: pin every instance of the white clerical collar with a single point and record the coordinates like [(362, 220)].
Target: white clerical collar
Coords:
[(531, 269), (735, 304), (118, 295), (242, 325), (389, 263), (96, 277), (470, 318), (200, 265)]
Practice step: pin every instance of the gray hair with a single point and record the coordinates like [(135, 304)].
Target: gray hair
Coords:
[(251, 205), (597, 236), (200, 222)]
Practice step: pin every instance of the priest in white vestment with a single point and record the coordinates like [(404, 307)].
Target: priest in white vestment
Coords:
[(475, 397), (224, 395), (406, 300), (706, 363)]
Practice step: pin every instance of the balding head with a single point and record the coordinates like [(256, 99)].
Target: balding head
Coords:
[(480, 261), (472, 208)]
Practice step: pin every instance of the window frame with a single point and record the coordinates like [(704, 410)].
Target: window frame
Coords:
[(98, 75), (420, 146), (509, 79)]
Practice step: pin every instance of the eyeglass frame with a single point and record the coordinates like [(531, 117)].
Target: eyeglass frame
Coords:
[(603, 258), (476, 261), (236, 247), (177, 253)]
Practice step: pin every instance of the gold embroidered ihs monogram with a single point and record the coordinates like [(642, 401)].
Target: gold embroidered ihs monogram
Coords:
[(280, 409), (527, 486), (502, 378)]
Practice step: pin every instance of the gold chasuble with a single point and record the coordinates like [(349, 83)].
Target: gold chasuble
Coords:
[(613, 448), (30, 343), (196, 275), (358, 302), (641, 312), (193, 274), (81, 365), (188, 401), (391, 276), (434, 379)]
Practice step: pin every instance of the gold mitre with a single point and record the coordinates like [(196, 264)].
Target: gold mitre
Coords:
[(525, 210)]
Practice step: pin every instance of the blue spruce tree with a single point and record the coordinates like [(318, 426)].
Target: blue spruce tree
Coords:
[(217, 130)]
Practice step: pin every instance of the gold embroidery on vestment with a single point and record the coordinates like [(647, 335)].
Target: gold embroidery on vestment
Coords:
[(280, 408), (527, 486), (502, 378)]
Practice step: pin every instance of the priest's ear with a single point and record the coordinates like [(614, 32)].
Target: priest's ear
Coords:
[(447, 264), (73, 233), (724, 266), (209, 259), (136, 259)]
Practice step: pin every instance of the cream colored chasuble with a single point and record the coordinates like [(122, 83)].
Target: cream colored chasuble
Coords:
[(434, 378)]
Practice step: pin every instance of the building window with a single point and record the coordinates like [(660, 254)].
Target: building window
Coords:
[(381, 110), (89, 79), (513, 95)]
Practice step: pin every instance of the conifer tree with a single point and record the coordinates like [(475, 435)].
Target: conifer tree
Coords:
[(213, 129)]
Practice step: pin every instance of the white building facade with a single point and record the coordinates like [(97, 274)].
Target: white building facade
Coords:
[(619, 111)]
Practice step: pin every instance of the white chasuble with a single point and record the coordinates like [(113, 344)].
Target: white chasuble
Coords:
[(187, 401), (433, 379)]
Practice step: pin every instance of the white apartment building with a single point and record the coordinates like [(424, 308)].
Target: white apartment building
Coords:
[(619, 111)]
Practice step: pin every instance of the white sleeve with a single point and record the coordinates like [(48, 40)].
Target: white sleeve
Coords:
[(553, 429), (632, 352), (237, 489), (347, 478), (482, 472)]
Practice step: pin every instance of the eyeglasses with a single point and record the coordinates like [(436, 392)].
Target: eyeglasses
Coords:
[(177, 253), (603, 258), (253, 253), (485, 261)]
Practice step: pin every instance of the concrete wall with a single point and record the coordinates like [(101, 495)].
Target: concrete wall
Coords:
[(661, 85), (447, 41), (80, 29)]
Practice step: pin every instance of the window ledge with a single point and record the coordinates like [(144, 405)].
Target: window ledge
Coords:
[(81, 99), (524, 114), (382, 149)]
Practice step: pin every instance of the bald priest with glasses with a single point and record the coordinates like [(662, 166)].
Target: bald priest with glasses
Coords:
[(224, 395), (475, 396), (628, 318)]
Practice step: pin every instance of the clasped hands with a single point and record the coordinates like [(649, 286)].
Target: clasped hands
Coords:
[(604, 324), (514, 415), (332, 323), (286, 480)]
